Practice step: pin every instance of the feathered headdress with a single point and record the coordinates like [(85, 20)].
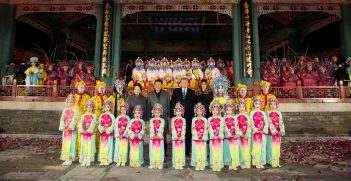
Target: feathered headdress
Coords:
[(220, 81)]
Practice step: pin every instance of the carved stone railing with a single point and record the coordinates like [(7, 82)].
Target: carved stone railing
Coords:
[(288, 94)]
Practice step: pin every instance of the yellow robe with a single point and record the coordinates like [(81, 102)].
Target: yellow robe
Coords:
[(43, 77), (79, 105)]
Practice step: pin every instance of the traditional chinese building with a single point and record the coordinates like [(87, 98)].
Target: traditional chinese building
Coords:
[(111, 32)]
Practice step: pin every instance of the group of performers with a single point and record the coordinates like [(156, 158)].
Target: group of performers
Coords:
[(171, 72), (47, 73), (282, 72), (241, 132)]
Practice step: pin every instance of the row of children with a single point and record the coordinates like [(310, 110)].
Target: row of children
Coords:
[(235, 140)]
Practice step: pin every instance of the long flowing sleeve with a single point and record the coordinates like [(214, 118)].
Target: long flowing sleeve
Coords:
[(62, 124), (265, 128), (248, 129), (74, 119), (281, 124), (270, 124), (237, 130), (221, 132), (151, 129), (130, 132), (193, 130), (81, 122), (141, 135), (183, 129), (252, 125), (210, 130), (115, 127), (92, 125), (110, 129), (100, 128), (206, 129)]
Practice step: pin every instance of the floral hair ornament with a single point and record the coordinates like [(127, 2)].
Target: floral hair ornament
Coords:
[(273, 100), (215, 105), (125, 106), (230, 105), (179, 107), (157, 107), (138, 108), (220, 81), (108, 103), (241, 102), (119, 85), (90, 103), (199, 106)]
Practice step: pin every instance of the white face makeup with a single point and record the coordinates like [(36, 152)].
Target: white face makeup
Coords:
[(265, 89), (242, 92), (102, 90), (81, 88)]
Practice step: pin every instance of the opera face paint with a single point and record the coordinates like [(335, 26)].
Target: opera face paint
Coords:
[(81, 88)]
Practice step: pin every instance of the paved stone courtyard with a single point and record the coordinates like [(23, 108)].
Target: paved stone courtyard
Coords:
[(302, 159)]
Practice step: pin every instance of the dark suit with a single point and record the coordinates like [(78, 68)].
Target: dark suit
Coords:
[(188, 103), (164, 101)]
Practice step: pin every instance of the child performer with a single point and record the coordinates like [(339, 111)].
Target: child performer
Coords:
[(121, 135), (156, 146), (136, 131), (259, 126), (275, 132), (105, 127), (215, 130), (86, 129), (178, 135), (67, 126), (232, 134), (245, 129), (199, 138)]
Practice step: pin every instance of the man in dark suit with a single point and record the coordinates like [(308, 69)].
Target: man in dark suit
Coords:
[(187, 98), (162, 97)]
